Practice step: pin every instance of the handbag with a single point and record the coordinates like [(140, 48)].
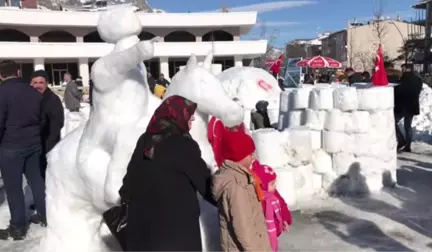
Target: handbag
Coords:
[(116, 220)]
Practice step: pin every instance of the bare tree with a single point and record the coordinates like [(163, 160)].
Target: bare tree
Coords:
[(379, 26), (362, 61), (271, 38), (351, 45)]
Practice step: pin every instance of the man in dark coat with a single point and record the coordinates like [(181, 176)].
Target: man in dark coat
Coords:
[(20, 145), (72, 94), (407, 104), (91, 92), (151, 82), (260, 118), (162, 180), (53, 113), (162, 81), (353, 77)]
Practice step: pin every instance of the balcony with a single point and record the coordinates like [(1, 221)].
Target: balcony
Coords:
[(25, 50), (26, 17)]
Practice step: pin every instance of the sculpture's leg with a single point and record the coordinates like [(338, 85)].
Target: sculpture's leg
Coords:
[(74, 229), (117, 168), (209, 223)]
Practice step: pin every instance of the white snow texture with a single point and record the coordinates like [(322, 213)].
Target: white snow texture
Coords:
[(422, 124), (86, 168)]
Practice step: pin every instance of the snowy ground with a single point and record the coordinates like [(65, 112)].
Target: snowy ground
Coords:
[(398, 219)]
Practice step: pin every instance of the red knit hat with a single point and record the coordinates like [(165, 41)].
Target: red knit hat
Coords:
[(265, 173), (236, 145)]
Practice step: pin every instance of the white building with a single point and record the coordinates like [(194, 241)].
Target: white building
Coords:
[(68, 41)]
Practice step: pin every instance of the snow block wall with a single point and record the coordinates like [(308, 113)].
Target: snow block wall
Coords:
[(329, 132)]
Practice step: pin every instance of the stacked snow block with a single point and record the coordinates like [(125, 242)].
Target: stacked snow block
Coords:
[(350, 132), (291, 152), (359, 133)]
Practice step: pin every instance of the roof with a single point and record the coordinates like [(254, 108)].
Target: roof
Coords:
[(421, 4)]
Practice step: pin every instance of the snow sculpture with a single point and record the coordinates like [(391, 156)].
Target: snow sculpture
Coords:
[(250, 85), (86, 168)]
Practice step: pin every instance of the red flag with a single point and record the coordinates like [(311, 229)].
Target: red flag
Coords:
[(276, 66), (379, 77)]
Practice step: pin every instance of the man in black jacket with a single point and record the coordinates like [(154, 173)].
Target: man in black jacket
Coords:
[(407, 104), (52, 112), (20, 147), (353, 77)]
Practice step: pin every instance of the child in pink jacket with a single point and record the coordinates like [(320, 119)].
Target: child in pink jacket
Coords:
[(276, 212)]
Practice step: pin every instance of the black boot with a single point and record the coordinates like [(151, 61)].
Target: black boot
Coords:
[(37, 219), (406, 149), (400, 145), (17, 234)]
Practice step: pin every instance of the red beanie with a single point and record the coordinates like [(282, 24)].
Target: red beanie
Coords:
[(265, 173), (236, 145)]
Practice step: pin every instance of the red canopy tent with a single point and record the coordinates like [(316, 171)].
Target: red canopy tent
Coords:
[(319, 62)]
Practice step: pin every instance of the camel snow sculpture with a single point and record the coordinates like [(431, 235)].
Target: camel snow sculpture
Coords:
[(250, 85), (86, 168)]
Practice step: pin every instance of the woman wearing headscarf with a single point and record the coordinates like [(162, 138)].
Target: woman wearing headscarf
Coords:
[(260, 118), (162, 180)]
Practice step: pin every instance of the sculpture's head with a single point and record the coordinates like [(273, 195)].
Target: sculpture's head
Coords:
[(118, 23), (199, 85)]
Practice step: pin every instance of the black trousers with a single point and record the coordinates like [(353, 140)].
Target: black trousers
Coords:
[(14, 163), (407, 139)]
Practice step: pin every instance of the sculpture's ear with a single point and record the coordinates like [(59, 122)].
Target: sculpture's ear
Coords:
[(192, 63), (208, 61)]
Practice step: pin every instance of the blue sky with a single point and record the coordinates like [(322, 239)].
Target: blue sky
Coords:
[(288, 20)]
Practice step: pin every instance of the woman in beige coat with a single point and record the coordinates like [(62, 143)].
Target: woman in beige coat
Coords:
[(238, 195)]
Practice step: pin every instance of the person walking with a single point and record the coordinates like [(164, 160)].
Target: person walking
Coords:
[(72, 94), (20, 147), (407, 105), (160, 187)]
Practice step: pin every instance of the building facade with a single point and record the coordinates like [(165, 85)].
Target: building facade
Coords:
[(357, 45), (334, 46), (68, 41)]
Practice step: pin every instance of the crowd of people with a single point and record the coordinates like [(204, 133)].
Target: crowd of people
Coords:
[(166, 169)]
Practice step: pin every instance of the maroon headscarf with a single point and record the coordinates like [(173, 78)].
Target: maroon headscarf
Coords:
[(170, 118)]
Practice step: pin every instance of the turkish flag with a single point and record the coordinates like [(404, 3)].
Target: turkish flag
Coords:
[(379, 77), (276, 66)]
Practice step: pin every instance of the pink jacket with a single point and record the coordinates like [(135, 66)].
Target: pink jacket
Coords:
[(273, 216)]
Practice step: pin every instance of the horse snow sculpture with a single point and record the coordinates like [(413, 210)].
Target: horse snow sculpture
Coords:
[(86, 168), (207, 91)]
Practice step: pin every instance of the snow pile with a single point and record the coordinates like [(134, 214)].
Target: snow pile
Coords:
[(331, 131), (422, 124), (74, 119)]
